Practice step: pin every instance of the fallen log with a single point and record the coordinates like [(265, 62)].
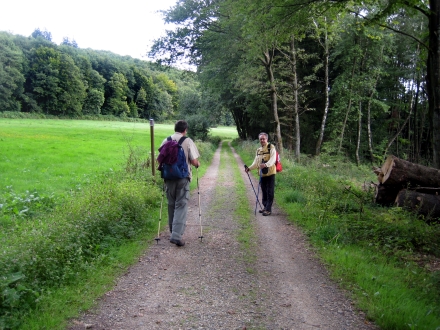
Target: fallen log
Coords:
[(427, 190), (385, 195), (396, 171), (427, 205)]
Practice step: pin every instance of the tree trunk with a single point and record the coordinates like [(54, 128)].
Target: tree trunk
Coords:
[(326, 93), (268, 64), (296, 105), (433, 78), (358, 143), (398, 133), (423, 204), (348, 107), (402, 173), (369, 133), (417, 138)]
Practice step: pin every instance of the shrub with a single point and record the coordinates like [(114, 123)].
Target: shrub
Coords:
[(50, 251), (198, 127)]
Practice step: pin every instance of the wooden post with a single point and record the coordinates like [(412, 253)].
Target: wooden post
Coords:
[(153, 167)]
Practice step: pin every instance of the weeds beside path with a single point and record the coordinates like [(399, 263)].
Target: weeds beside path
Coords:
[(248, 272)]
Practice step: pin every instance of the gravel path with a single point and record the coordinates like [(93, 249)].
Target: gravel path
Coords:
[(210, 284)]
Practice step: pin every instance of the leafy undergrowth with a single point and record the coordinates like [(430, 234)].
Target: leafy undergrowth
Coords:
[(53, 247), (386, 257)]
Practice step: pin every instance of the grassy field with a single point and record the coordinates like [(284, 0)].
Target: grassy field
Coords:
[(382, 256), (60, 254), (55, 156)]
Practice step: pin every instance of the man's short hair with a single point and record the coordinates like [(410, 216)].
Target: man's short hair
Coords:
[(265, 134), (180, 126)]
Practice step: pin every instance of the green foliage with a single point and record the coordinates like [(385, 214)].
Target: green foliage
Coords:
[(11, 75), (342, 207), (51, 242), (36, 256), (66, 81), (93, 102), (18, 207), (117, 103), (198, 127), (301, 52), (42, 34), (295, 196), (384, 256)]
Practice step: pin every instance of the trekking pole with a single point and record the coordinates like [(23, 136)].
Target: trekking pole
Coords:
[(160, 214), (258, 192), (253, 189), (200, 212)]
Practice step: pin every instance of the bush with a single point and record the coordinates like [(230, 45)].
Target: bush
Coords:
[(198, 127), (50, 251)]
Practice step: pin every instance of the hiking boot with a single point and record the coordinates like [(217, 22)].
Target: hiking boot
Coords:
[(178, 242), (266, 213), (261, 211)]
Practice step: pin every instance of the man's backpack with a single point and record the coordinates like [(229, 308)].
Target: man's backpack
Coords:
[(173, 165), (278, 164)]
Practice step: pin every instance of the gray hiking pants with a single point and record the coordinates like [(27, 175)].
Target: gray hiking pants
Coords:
[(178, 197)]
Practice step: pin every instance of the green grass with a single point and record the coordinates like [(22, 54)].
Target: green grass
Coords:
[(68, 301), (54, 156), (224, 132), (57, 156), (242, 212), (380, 255), (60, 254), (395, 297)]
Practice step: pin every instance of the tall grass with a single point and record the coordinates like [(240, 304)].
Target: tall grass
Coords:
[(383, 256)]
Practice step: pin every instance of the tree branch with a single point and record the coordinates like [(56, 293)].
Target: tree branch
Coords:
[(392, 29)]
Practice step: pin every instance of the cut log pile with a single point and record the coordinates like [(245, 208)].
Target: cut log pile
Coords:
[(408, 185)]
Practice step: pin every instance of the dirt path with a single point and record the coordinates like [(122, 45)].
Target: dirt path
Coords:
[(208, 284)]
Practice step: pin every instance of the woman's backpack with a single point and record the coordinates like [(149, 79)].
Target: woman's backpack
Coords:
[(278, 164)]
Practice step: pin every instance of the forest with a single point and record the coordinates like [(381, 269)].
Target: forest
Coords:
[(37, 76), (358, 80), (349, 78)]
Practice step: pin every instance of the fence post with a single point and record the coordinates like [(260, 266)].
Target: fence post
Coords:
[(153, 167)]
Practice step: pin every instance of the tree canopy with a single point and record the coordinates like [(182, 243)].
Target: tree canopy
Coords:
[(39, 76), (359, 79)]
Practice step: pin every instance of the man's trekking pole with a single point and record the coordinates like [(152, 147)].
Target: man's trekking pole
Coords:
[(258, 192), (200, 212), (256, 195), (160, 215)]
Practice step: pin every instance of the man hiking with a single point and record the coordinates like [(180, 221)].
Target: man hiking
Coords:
[(177, 190)]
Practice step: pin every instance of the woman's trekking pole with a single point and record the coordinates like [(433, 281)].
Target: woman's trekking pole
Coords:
[(258, 192), (256, 195), (200, 212), (160, 215)]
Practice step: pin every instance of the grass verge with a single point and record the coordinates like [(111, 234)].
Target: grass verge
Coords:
[(246, 235), (383, 256), (68, 301), (57, 261)]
